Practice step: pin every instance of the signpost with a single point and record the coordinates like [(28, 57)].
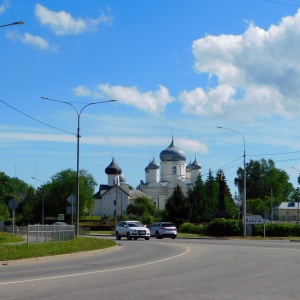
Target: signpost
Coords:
[(254, 219), (72, 200), (61, 217), (13, 204)]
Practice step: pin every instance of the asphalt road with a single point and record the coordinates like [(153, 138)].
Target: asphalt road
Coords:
[(162, 269)]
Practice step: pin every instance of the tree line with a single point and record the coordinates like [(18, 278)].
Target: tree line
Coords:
[(266, 186)]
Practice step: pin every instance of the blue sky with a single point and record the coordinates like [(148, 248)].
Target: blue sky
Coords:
[(176, 68)]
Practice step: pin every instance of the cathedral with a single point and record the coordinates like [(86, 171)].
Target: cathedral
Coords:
[(160, 181)]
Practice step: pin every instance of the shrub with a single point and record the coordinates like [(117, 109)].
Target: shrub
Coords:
[(191, 228), (275, 230), (147, 219), (224, 227)]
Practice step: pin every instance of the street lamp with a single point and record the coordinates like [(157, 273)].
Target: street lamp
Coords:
[(43, 201), (78, 137), (298, 202), (244, 200), (14, 23)]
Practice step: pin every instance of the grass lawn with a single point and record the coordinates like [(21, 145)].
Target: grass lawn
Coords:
[(12, 249)]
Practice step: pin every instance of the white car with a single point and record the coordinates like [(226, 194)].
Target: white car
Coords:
[(132, 230), (60, 223)]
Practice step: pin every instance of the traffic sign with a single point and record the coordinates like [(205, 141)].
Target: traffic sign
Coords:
[(71, 199), (61, 217), (13, 204), (70, 210), (254, 219)]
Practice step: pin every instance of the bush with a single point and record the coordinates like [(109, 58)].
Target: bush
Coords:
[(191, 228), (224, 227), (276, 230), (147, 219)]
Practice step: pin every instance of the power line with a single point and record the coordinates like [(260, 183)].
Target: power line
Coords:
[(36, 119), (281, 3), (270, 154)]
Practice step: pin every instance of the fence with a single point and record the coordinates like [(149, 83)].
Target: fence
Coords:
[(47, 233)]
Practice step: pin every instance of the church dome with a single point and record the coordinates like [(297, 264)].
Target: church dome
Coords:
[(188, 167), (113, 169), (152, 166), (122, 178), (195, 165), (172, 153)]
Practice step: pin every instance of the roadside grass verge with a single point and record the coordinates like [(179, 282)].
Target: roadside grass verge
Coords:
[(9, 238), (78, 244)]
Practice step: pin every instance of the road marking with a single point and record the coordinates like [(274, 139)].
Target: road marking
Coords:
[(187, 250)]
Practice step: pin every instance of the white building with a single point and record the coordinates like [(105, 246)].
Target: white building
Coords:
[(160, 181), (115, 195)]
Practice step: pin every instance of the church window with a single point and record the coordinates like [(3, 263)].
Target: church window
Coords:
[(174, 170)]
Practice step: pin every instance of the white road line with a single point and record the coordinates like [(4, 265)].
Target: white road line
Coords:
[(97, 272)]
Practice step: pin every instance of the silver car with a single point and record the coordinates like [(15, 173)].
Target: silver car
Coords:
[(163, 229), (132, 230)]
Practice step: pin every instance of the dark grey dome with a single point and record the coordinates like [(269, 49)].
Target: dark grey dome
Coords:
[(113, 168), (172, 153), (122, 178), (195, 165), (188, 167), (152, 166)]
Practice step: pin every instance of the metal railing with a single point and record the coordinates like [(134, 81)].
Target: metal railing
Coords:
[(47, 233)]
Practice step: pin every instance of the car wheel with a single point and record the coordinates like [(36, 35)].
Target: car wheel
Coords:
[(173, 237), (147, 238), (129, 236), (157, 235), (118, 237)]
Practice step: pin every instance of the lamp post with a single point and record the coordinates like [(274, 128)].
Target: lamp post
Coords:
[(78, 112), (14, 23), (244, 199), (298, 202), (43, 202), (13, 204)]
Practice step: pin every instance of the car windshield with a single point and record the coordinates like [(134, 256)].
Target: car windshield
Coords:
[(136, 224)]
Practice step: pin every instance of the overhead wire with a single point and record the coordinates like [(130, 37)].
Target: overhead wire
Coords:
[(282, 3), (36, 119)]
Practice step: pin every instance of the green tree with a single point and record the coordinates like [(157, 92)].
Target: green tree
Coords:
[(264, 181), (142, 206), (12, 188), (212, 194), (230, 206), (54, 193), (26, 208), (197, 201), (4, 211), (257, 206), (177, 208)]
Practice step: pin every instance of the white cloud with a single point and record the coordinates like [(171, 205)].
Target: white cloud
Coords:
[(32, 40), (191, 145), (82, 91), (4, 6), (153, 102), (257, 73), (62, 22)]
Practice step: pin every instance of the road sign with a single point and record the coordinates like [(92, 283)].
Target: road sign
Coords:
[(72, 199), (13, 204), (61, 217), (70, 210), (254, 219)]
